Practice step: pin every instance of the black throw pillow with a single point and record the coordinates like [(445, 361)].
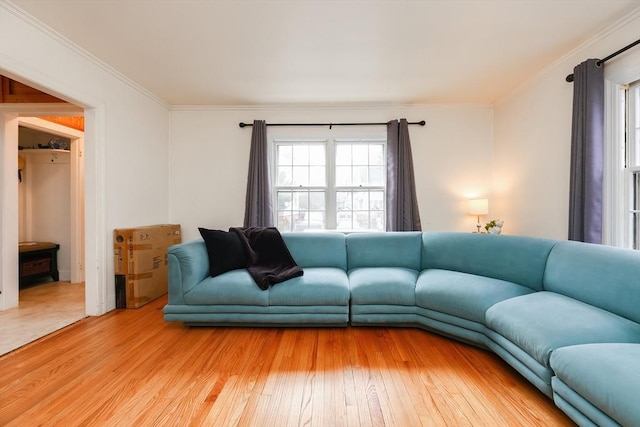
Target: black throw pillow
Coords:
[(225, 249)]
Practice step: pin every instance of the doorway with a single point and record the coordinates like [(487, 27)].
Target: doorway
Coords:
[(96, 255), (50, 209), (51, 191)]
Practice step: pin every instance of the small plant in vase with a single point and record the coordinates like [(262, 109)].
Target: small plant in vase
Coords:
[(494, 226)]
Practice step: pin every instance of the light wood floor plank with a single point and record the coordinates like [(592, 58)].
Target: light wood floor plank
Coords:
[(130, 367), (43, 309)]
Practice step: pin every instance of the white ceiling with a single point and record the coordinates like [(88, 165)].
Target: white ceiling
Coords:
[(242, 52)]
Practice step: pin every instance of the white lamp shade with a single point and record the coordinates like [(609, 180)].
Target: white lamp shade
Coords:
[(478, 207)]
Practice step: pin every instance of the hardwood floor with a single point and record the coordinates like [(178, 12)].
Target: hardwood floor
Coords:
[(43, 309), (130, 367)]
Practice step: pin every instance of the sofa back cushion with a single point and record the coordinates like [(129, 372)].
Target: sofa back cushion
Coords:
[(392, 249), (602, 276), (317, 249), (516, 259)]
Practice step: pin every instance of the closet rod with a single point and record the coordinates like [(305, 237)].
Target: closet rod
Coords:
[(243, 124), (614, 54)]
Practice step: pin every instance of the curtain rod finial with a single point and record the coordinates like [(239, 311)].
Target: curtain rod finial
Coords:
[(422, 123), (242, 124), (569, 78)]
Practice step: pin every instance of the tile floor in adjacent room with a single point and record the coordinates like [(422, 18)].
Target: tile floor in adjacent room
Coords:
[(43, 309)]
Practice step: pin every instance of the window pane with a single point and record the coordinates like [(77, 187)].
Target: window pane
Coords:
[(316, 155), (284, 154), (316, 200), (344, 221), (360, 200), (634, 149), (360, 175), (361, 220), (284, 175), (300, 175), (343, 154), (343, 176), (284, 200), (634, 220), (300, 200), (343, 200), (316, 221), (377, 221), (376, 176), (635, 190), (284, 221), (300, 155), (317, 175), (300, 221), (376, 154), (360, 154), (376, 200)]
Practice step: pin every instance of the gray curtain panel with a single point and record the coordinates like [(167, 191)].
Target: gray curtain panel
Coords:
[(587, 153), (402, 203), (258, 212)]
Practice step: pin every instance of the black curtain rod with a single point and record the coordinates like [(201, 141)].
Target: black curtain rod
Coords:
[(243, 124), (614, 54)]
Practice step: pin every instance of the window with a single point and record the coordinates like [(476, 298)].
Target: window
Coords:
[(301, 185), (622, 184), (336, 184), (632, 166)]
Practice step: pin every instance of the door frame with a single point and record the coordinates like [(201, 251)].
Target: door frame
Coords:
[(95, 260)]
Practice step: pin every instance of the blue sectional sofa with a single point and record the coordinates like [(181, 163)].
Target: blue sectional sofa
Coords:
[(566, 315)]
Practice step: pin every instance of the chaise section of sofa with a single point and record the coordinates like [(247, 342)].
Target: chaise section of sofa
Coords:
[(598, 384), (320, 297), (464, 274), (591, 295)]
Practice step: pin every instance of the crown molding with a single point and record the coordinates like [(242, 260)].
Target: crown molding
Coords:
[(328, 107), (9, 7), (627, 19)]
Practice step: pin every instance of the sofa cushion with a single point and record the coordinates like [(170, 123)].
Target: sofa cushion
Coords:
[(383, 285), (233, 287), (317, 249), (603, 276), (516, 259), (318, 286), (225, 250), (392, 249), (463, 295), (540, 322), (606, 375)]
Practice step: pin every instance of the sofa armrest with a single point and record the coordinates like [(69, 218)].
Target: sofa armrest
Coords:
[(188, 266)]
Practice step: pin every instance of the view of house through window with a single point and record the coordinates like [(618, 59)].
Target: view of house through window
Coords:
[(330, 184)]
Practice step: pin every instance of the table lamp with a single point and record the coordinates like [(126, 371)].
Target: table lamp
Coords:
[(478, 207)]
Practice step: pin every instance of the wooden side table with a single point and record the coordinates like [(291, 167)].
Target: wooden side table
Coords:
[(38, 260)]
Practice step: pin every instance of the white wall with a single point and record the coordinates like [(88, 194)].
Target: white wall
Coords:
[(47, 182), (210, 154), (44, 196), (126, 136), (533, 139)]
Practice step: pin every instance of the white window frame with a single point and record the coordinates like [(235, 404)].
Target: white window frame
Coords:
[(330, 162), (631, 171), (274, 178), (353, 188), (616, 217)]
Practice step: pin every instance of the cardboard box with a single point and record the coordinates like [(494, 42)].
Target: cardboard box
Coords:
[(140, 262)]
